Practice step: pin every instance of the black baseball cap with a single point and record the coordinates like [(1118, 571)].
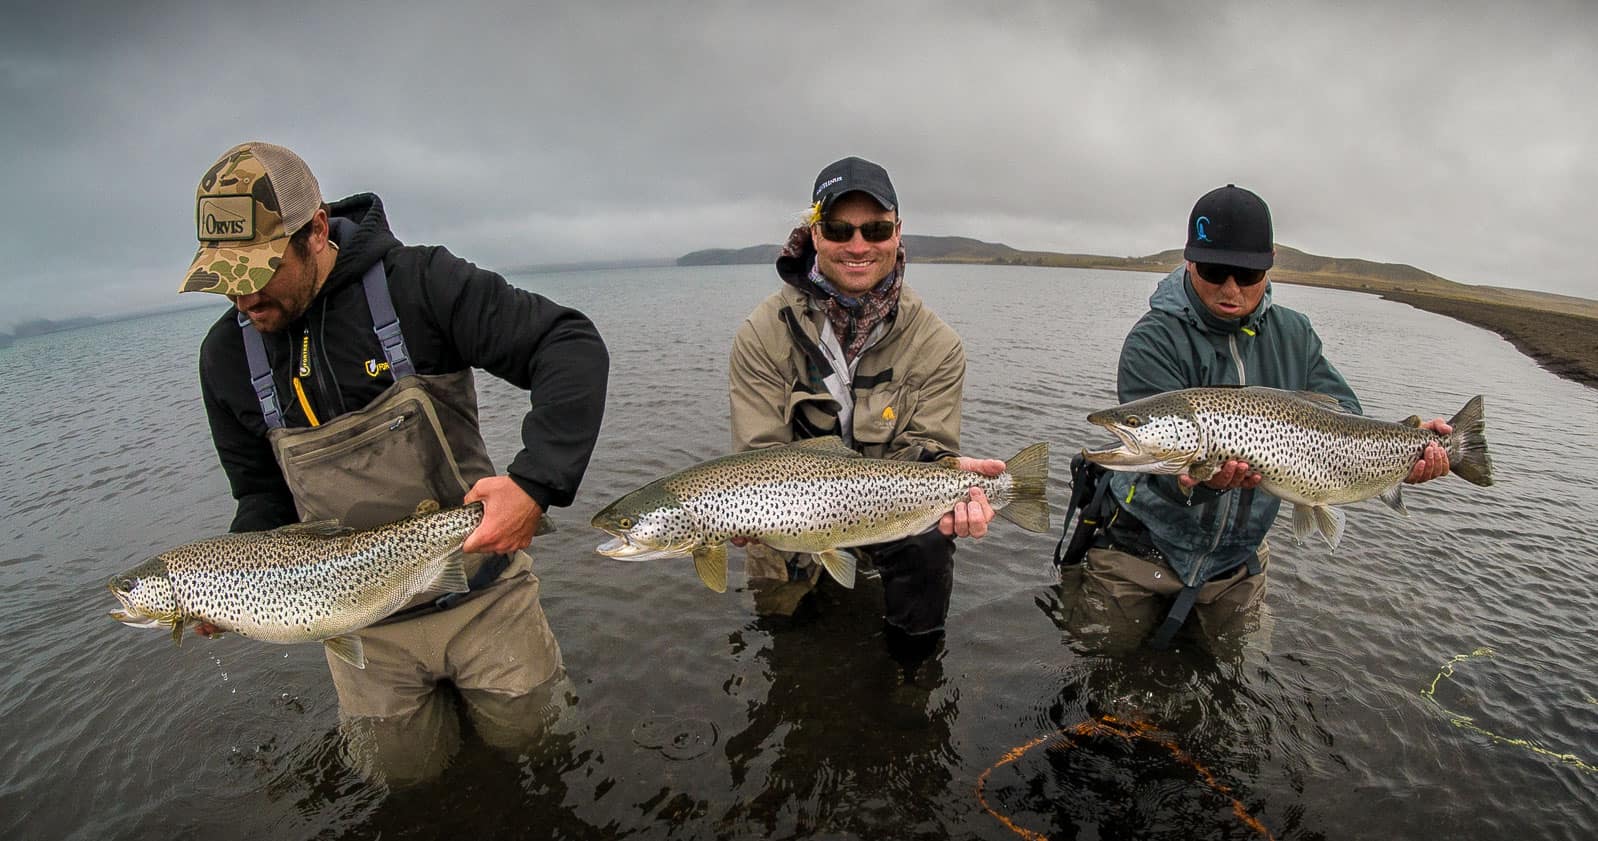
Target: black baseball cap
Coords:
[(1230, 225), (851, 175)]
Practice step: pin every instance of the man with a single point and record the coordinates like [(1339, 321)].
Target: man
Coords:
[(846, 349), (1210, 323), (342, 388)]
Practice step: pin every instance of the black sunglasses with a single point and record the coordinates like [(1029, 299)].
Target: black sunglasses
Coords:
[(839, 231), (1217, 273)]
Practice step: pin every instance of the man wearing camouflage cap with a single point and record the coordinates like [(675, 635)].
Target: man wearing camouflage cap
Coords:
[(340, 387)]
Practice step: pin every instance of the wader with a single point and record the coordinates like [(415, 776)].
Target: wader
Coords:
[(417, 441), (1118, 585)]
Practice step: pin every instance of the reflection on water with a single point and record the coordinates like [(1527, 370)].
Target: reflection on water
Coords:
[(686, 715)]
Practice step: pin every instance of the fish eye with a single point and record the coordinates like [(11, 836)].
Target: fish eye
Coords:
[(625, 522), (126, 583), (1134, 420)]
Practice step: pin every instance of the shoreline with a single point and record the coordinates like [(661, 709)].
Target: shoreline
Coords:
[(1565, 345)]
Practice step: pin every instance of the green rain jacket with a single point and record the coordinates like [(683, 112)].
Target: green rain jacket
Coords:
[(1180, 344)]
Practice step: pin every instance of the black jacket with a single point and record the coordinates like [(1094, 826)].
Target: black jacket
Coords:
[(454, 315)]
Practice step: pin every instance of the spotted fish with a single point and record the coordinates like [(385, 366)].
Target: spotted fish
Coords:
[(300, 583), (1310, 451), (814, 496)]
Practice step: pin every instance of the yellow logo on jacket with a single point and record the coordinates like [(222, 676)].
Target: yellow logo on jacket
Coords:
[(373, 367), (887, 414)]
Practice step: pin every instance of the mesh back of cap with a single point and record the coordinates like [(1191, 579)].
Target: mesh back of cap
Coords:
[(298, 194)]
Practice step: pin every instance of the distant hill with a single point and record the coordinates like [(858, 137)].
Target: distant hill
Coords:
[(1292, 266)]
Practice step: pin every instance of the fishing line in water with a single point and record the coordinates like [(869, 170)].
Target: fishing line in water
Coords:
[(1127, 731), (1470, 724)]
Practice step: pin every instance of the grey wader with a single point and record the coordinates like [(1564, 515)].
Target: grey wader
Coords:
[(417, 441)]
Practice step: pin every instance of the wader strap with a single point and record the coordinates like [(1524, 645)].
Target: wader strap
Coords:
[(1173, 620), (1090, 489), (385, 323), (1245, 501), (261, 374)]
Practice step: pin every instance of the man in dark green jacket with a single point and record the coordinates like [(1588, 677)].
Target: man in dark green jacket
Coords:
[(1210, 323)]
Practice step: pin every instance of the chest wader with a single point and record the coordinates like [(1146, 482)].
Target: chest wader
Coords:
[(415, 442), (1101, 525)]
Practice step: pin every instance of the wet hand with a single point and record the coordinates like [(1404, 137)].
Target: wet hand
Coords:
[(970, 517), (1434, 460), (209, 631), (510, 517), (1233, 474)]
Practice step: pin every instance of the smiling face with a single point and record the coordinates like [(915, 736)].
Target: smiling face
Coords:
[(854, 267)]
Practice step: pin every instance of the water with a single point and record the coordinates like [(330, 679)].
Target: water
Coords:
[(687, 716)]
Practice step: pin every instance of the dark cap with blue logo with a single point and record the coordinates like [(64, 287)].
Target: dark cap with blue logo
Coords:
[(851, 175), (1230, 225)]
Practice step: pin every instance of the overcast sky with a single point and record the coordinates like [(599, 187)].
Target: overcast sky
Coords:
[(1459, 137)]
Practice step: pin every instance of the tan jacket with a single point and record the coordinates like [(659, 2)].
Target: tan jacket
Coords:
[(907, 386)]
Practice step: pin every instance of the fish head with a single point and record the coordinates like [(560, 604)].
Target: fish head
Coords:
[(147, 596), (646, 524), (1159, 434)]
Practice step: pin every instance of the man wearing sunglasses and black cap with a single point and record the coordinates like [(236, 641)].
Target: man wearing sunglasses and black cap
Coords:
[(846, 348), (1176, 546)]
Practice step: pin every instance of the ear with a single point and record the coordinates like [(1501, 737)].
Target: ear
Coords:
[(320, 230)]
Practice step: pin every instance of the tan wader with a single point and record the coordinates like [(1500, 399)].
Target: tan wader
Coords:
[(1117, 599), (418, 441)]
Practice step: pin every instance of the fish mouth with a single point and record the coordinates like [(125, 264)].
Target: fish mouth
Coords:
[(1130, 454), (132, 616), (623, 547)]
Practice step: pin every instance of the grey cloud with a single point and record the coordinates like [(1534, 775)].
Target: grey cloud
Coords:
[(1453, 136)]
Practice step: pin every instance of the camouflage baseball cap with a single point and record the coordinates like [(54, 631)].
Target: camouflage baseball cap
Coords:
[(247, 206)]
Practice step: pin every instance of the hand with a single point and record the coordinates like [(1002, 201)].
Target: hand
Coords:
[(1233, 474), (510, 517), (970, 518), (1434, 460), (743, 541), (207, 630)]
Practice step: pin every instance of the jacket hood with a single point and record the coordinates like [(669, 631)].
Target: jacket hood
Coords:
[(360, 228), (1175, 295)]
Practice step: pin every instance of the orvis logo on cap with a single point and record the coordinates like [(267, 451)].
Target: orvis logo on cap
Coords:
[(226, 218), (828, 183), (1199, 225)]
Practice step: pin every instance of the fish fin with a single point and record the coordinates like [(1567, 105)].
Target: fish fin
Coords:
[(1394, 498), (1413, 422), (347, 648), (1467, 444), (829, 444), (1330, 522), (316, 528), (1303, 522), (177, 631), (426, 506), (711, 563), (451, 576), (840, 565), (1323, 401), (1029, 501), (545, 526)]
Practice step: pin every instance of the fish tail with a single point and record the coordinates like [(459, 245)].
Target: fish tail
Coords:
[(1467, 444), (1029, 476)]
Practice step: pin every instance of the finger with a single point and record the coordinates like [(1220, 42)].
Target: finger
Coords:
[(962, 519), (1253, 480), (1186, 481)]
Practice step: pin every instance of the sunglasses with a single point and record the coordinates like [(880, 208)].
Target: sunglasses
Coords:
[(1217, 273), (835, 230)]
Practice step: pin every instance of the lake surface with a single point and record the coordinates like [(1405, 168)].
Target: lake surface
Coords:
[(687, 716)]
